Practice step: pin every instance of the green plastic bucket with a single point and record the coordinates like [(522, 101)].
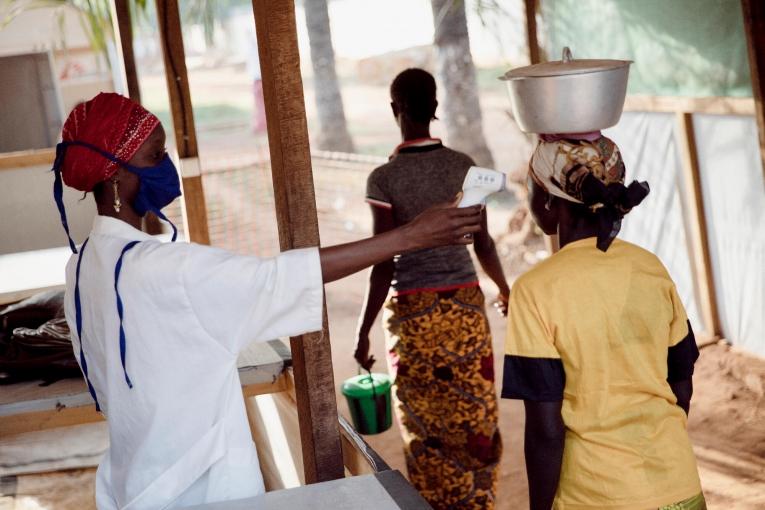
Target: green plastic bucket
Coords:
[(368, 397)]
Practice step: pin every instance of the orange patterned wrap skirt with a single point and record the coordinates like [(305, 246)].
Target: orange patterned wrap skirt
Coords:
[(445, 399)]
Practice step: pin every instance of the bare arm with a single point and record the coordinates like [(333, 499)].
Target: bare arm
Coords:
[(543, 447), (438, 226), (486, 251), (377, 290)]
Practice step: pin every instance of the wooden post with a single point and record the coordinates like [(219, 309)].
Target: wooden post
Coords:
[(754, 26), (298, 227), (531, 32), (195, 210), (123, 35), (697, 223), (535, 57)]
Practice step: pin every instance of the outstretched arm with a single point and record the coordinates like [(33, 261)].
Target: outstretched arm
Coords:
[(438, 226), (543, 447)]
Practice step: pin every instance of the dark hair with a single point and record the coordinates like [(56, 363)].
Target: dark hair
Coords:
[(97, 191), (414, 90), (615, 199)]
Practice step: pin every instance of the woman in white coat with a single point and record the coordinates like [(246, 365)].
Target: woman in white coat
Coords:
[(157, 326)]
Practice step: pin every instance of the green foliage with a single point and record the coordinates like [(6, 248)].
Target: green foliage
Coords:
[(205, 12), (489, 10), (95, 17)]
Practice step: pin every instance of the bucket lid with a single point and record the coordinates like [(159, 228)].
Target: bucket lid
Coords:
[(361, 385), (566, 66)]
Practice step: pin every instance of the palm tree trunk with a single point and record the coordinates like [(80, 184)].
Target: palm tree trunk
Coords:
[(334, 134), (455, 69)]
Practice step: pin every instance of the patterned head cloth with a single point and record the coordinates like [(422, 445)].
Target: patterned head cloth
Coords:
[(588, 172), (111, 123)]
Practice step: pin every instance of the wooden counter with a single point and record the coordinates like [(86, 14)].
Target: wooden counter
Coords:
[(27, 406)]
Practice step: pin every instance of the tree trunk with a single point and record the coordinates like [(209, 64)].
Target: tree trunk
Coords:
[(333, 133), (455, 69)]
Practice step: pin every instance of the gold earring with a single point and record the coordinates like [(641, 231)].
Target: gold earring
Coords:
[(116, 189)]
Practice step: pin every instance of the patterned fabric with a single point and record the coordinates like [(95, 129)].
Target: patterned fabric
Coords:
[(561, 166), (441, 356), (111, 122), (589, 173), (697, 502)]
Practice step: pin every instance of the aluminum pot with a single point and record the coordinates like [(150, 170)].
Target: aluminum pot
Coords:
[(568, 96)]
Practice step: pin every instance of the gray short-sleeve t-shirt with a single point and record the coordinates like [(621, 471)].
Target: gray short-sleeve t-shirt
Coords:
[(415, 179)]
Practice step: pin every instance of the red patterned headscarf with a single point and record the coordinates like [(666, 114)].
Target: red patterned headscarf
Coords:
[(113, 124)]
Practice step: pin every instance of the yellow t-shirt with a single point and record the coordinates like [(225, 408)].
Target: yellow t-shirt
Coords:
[(609, 319)]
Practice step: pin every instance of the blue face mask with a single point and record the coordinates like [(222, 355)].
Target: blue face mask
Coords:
[(159, 185)]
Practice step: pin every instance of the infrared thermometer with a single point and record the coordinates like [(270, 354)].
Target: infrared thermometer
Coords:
[(479, 184)]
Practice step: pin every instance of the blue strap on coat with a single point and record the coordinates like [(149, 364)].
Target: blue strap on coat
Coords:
[(120, 310), (78, 318), (58, 192), (120, 313)]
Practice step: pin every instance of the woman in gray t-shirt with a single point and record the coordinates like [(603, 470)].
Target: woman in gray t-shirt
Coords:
[(437, 332)]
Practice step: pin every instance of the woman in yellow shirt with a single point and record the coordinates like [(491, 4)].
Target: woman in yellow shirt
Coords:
[(599, 347)]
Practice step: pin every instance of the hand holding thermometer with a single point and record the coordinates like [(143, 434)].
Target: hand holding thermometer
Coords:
[(479, 184)]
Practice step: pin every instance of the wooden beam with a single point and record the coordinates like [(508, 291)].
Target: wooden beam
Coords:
[(535, 57), (171, 37), (123, 32), (754, 26), (673, 104), (45, 420), (67, 416), (298, 227), (532, 40), (282, 382), (9, 298), (697, 223), (279, 454), (27, 406), (21, 159)]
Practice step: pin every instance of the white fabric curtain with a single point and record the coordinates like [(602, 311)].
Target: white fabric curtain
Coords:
[(734, 200), (648, 145)]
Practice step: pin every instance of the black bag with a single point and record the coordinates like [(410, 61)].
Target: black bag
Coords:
[(35, 341), (33, 312)]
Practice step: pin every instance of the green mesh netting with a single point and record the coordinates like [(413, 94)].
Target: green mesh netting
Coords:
[(693, 48)]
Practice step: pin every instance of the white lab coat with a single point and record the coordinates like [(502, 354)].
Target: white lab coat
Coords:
[(180, 436)]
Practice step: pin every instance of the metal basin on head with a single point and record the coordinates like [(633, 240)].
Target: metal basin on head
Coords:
[(568, 95)]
